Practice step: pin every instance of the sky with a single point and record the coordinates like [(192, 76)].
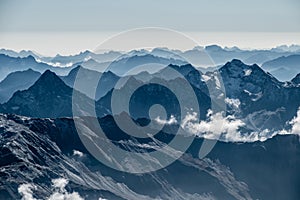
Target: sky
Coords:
[(65, 27)]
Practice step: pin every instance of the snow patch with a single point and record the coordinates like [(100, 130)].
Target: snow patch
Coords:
[(205, 78), (257, 96), (218, 83), (254, 96), (87, 58), (247, 92), (247, 72), (234, 103)]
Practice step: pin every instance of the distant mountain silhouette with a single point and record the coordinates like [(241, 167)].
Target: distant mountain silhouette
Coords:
[(283, 68), (296, 79), (123, 65), (11, 64), (22, 54), (106, 81), (84, 56)]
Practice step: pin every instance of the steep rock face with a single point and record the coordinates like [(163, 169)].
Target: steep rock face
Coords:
[(147, 94), (48, 97), (15, 81), (36, 152), (258, 90), (296, 80)]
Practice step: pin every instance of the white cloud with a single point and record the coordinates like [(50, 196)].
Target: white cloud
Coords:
[(223, 128), (25, 190), (65, 196), (216, 125), (172, 120), (227, 128), (60, 193), (296, 123), (60, 183), (56, 64), (77, 153)]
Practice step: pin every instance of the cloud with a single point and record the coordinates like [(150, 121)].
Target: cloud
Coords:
[(217, 125), (61, 194), (25, 190), (56, 64), (77, 153), (60, 183), (65, 196), (295, 122), (58, 187), (172, 120), (224, 128)]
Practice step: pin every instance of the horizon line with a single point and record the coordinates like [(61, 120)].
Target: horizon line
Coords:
[(103, 51)]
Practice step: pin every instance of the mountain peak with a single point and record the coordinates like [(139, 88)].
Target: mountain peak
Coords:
[(237, 62), (234, 65), (183, 69), (238, 69), (30, 57), (50, 80), (49, 96), (213, 48), (48, 74)]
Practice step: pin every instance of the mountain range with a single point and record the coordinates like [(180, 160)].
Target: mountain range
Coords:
[(283, 68), (256, 155), (11, 64), (204, 58), (257, 93), (49, 96)]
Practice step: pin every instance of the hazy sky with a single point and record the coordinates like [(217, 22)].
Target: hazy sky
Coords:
[(77, 24)]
